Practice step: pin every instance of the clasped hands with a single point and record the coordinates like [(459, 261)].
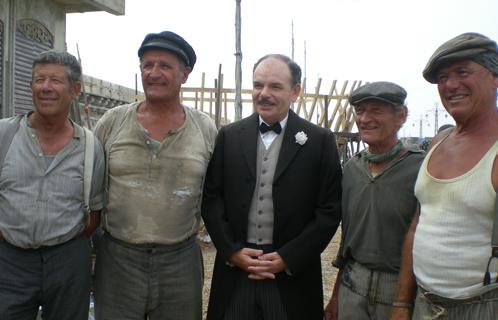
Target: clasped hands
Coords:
[(259, 265)]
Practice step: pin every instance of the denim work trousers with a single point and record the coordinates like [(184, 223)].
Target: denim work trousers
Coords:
[(429, 306), (56, 278), (155, 282), (366, 294)]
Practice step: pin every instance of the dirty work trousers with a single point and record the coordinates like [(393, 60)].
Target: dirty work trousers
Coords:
[(366, 294), (429, 306), (57, 278), (161, 282)]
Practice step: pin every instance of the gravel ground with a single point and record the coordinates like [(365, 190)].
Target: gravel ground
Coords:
[(329, 272)]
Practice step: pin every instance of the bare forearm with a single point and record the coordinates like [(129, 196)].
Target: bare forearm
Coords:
[(332, 308), (407, 286)]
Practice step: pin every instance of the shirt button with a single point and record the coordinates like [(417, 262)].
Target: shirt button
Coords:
[(260, 212), (259, 227), (260, 198), (262, 185), (263, 172), (147, 142), (265, 159)]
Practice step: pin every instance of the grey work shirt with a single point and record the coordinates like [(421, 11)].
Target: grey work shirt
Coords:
[(44, 206), (377, 211)]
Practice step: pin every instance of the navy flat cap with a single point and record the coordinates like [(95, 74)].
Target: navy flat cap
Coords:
[(169, 41), (384, 91)]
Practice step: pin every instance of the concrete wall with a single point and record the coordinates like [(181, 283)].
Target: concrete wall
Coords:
[(44, 21)]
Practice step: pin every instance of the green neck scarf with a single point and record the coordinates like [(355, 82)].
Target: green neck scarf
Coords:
[(378, 158)]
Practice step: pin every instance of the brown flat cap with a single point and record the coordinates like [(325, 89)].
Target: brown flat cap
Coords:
[(471, 46), (382, 90)]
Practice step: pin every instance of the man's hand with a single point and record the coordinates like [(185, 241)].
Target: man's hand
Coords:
[(245, 257), (332, 308), (400, 314), (93, 221), (270, 264), (259, 266)]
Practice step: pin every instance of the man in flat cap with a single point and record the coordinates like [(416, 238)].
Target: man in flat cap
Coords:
[(271, 204), (448, 247), (377, 207), (149, 265)]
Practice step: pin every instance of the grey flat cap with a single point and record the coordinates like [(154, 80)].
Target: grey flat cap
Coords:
[(471, 46), (384, 91)]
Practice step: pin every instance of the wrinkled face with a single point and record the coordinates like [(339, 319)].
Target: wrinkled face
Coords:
[(378, 123), (52, 91), (273, 92), (162, 75), (465, 87)]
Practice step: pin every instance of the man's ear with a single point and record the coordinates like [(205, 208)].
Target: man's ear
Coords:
[(76, 88), (186, 73), (296, 90)]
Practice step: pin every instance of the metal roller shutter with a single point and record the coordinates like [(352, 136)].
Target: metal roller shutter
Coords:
[(31, 39)]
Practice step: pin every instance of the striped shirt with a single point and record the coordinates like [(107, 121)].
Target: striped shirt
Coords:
[(40, 205)]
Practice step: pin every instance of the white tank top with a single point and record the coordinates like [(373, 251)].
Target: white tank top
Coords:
[(452, 242)]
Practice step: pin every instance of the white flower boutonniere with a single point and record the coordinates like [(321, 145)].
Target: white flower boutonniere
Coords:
[(301, 137)]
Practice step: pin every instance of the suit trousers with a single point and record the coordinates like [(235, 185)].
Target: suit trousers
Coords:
[(256, 299), (57, 278)]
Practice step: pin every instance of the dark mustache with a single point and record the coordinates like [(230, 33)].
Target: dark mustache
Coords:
[(265, 101)]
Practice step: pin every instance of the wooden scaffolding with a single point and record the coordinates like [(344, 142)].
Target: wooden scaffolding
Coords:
[(330, 110)]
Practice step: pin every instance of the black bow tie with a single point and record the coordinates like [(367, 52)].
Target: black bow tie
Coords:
[(276, 127)]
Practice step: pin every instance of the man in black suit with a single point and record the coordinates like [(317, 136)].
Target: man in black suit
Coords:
[(271, 204)]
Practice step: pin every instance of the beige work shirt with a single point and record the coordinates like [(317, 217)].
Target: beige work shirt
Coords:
[(155, 187)]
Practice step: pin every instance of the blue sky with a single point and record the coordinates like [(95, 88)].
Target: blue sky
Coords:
[(368, 40)]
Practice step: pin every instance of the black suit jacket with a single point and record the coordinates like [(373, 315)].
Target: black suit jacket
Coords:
[(306, 200)]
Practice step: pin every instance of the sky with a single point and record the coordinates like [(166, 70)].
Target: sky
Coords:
[(367, 40)]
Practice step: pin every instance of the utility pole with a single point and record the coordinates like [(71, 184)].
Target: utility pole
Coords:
[(420, 134), (238, 63), (304, 80), (436, 119), (292, 40)]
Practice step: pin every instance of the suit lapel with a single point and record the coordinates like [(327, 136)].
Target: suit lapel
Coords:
[(249, 139), (289, 147)]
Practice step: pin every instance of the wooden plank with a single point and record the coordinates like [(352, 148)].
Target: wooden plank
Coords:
[(315, 98), (338, 107)]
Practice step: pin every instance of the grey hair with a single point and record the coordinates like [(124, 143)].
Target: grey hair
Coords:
[(73, 67), (294, 68)]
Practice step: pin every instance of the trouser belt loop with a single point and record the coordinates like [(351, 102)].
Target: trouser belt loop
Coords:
[(373, 287)]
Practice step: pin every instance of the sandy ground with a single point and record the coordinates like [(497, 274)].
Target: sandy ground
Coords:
[(329, 272)]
